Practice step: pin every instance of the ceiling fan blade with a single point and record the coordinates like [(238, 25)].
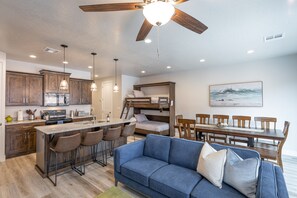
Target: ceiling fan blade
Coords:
[(112, 7), (188, 21), (144, 30), (179, 1)]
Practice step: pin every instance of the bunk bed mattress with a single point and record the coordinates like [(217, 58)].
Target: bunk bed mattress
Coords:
[(152, 126)]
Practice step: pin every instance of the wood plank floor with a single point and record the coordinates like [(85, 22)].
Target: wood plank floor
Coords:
[(18, 178)]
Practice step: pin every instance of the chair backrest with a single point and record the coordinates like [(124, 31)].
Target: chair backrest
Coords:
[(67, 143), (281, 143), (92, 138), (112, 134), (265, 122), (202, 118), (185, 126), (220, 119), (241, 121), (128, 130), (177, 117)]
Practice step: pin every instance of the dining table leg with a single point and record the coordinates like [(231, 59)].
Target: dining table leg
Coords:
[(251, 142)]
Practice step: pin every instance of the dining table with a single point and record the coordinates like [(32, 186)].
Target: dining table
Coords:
[(250, 133)]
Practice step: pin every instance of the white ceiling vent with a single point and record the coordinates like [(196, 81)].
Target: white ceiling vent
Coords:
[(51, 50), (273, 37)]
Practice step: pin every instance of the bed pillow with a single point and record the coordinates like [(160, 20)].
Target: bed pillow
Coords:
[(211, 164), (140, 117), (242, 174), (138, 94)]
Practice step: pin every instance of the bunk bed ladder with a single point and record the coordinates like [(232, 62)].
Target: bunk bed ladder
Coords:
[(127, 105)]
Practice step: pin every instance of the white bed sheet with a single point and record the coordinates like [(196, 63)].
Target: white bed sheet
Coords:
[(152, 126)]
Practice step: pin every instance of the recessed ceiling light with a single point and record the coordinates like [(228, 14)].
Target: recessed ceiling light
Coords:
[(147, 40), (90, 67), (250, 51), (202, 60), (168, 67), (96, 76), (143, 72), (65, 62), (32, 56)]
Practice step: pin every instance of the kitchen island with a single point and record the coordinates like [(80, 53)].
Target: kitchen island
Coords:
[(46, 134)]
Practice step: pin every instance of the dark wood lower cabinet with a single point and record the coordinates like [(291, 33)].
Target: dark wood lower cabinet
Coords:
[(20, 139)]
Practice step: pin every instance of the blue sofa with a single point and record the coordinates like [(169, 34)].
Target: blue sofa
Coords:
[(160, 166)]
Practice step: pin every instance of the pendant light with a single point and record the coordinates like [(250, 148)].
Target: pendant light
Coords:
[(93, 85), (116, 87), (64, 84)]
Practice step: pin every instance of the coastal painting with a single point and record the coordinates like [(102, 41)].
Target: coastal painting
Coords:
[(248, 94)]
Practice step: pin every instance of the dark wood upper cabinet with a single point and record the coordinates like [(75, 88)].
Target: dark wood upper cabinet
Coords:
[(23, 89), (52, 81), (80, 92)]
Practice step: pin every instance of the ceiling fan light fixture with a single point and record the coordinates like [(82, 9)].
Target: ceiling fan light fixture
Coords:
[(158, 13)]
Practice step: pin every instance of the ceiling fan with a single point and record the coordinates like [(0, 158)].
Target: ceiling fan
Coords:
[(156, 12)]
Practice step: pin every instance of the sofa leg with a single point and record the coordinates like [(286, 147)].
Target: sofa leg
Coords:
[(116, 183)]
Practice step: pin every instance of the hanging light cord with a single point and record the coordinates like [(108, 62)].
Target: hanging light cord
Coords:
[(93, 67), (158, 43), (64, 62), (115, 72)]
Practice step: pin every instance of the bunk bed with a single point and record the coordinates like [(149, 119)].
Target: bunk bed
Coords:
[(153, 124)]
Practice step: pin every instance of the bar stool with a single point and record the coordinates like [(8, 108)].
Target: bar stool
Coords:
[(92, 140), (129, 131), (111, 136), (63, 145)]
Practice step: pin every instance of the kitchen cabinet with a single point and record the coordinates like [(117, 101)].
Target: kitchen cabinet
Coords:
[(20, 139), (23, 89), (80, 92), (52, 81)]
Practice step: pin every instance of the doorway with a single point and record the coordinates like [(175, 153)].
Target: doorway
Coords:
[(106, 98), (2, 105)]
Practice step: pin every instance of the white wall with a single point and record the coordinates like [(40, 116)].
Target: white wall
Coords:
[(27, 67), (279, 84), (2, 104)]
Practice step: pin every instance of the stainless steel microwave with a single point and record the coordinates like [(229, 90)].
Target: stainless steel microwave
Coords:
[(56, 99)]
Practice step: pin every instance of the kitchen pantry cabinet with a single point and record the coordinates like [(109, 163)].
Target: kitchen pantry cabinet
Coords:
[(20, 139), (80, 92), (52, 81), (23, 89)]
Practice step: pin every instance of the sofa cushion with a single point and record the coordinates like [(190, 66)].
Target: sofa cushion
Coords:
[(174, 181), (205, 189), (140, 169), (211, 164), (185, 153), (157, 147), (242, 174)]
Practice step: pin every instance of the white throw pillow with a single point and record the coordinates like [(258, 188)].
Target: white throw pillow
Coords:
[(138, 94), (140, 117), (211, 164)]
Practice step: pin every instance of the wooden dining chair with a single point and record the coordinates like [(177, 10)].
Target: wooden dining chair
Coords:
[(202, 119), (241, 122), (185, 126), (265, 123), (274, 152), (216, 120), (177, 117)]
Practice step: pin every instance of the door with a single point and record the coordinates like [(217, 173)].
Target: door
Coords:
[(106, 98), (15, 89), (86, 94), (75, 91), (51, 83), (15, 140), (34, 90), (2, 105)]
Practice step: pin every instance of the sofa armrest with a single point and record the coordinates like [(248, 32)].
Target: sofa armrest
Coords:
[(126, 153), (271, 182)]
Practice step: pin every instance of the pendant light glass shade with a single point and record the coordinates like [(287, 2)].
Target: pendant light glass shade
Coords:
[(116, 87), (158, 13), (64, 84), (93, 85)]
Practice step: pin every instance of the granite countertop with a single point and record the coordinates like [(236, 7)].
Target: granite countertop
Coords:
[(62, 128), (40, 120)]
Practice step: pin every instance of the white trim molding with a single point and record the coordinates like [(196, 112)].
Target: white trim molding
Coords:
[(2, 105)]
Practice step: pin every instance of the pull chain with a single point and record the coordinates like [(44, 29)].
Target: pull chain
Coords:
[(158, 43)]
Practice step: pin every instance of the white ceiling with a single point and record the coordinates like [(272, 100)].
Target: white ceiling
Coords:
[(234, 26)]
